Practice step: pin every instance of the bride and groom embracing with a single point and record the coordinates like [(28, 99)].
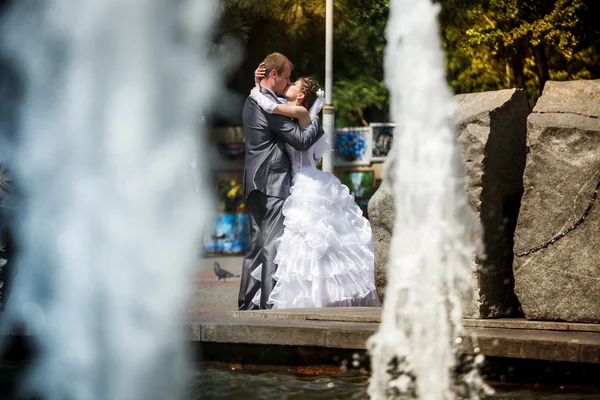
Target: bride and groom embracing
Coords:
[(309, 246)]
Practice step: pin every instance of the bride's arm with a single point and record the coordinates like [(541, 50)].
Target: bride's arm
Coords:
[(298, 112), (259, 73)]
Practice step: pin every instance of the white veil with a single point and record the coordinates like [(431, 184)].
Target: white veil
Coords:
[(318, 105), (321, 147)]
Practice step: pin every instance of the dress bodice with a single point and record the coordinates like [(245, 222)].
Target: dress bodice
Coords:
[(307, 159), (299, 159)]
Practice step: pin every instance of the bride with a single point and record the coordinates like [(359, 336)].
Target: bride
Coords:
[(325, 254)]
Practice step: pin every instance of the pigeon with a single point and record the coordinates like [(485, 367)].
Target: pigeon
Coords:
[(223, 273)]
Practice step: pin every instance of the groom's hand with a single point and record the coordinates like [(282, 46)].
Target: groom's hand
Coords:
[(259, 73)]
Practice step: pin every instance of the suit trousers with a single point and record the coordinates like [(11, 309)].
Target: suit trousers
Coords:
[(266, 225)]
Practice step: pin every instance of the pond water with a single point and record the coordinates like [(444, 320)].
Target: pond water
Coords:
[(209, 382), (220, 383)]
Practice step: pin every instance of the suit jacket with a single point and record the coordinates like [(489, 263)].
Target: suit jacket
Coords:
[(267, 165)]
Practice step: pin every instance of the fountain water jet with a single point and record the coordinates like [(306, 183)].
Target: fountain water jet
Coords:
[(435, 233), (111, 221)]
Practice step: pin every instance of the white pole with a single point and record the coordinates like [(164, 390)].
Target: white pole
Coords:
[(328, 110)]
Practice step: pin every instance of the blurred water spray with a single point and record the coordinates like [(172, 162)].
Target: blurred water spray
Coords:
[(428, 272), (111, 222)]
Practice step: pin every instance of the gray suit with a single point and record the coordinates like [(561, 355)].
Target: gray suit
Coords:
[(267, 182)]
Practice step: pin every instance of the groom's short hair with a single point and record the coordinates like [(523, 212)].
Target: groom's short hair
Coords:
[(276, 61)]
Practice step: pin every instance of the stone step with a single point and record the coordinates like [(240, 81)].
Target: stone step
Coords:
[(349, 329), (373, 315)]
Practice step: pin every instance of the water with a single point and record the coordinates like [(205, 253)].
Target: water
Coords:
[(435, 233), (211, 383), (218, 383), (111, 222)]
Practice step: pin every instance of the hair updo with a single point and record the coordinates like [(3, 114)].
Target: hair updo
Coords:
[(309, 89)]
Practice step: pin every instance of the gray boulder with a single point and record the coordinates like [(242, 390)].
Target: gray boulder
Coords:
[(491, 131), (381, 212), (561, 281)]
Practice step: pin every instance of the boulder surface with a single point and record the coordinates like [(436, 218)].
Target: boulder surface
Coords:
[(561, 281), (492, 133)]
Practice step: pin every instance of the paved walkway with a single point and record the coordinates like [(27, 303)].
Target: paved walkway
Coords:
[(212, 297)]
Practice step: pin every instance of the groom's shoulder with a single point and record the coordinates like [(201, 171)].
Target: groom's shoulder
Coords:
[(252, 114), (251, 105)]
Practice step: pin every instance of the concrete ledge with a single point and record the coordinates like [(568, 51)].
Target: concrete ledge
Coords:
[(582, 347), (563, 344), (373, 315), (342, 314), (279, 332), (521, 323)]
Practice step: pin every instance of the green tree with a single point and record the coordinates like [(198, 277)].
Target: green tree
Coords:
[(353, 97), (489, 44), (493, 44), (297, 29), (515, 29), (359, 94)]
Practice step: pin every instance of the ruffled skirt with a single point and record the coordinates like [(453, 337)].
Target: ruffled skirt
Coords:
[(325, 254)]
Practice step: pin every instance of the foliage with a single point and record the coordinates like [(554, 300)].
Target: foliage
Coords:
[(297, 29), (489, 44), (359, 94), (494, 44), (352, 97)]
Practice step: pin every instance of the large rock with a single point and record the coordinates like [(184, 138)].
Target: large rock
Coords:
[(491, 131), (381, 212), (561, 282)]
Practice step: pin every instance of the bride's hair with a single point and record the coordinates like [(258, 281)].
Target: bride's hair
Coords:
[(309, 88)]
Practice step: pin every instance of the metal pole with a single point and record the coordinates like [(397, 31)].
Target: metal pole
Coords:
[(328, 110)]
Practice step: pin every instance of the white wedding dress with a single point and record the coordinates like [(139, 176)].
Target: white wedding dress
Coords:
[(325, 254)]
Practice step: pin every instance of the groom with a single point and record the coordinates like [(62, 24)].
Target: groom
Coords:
[(267, 178)]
